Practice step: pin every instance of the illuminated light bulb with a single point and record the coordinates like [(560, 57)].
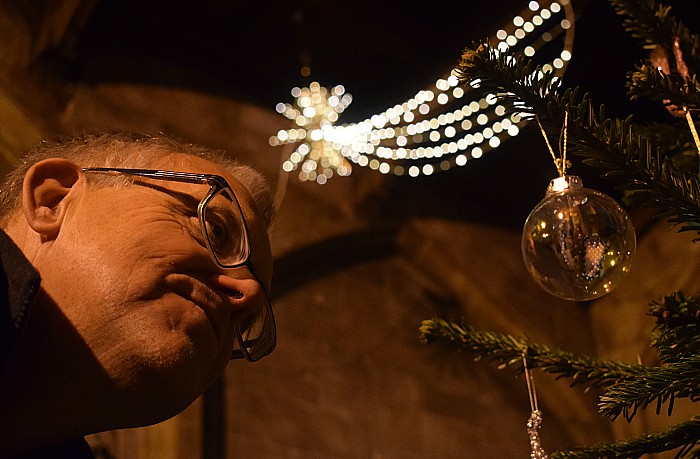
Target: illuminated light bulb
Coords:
[(577, 243)]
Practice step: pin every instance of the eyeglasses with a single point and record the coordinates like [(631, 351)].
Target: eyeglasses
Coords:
[(225, 232)]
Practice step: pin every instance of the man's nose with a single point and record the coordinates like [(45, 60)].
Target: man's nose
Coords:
[(241, 289)]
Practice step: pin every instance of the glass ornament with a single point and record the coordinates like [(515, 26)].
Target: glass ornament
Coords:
[(577, 243)]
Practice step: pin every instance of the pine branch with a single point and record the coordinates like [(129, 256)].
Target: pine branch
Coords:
[(628, 387), (509, 351), (646, 385), (654, 26), (608, 144), (650, 83), (684, 436), (676, 140), (677, 330)]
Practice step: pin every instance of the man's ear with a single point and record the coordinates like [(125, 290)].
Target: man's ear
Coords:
[(45, 187)]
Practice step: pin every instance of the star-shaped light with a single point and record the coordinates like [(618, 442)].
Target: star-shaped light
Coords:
[(314, 112)]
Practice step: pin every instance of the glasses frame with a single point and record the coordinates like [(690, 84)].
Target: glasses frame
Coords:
[(216, 184)]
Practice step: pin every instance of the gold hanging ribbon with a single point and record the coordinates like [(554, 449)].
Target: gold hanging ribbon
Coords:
[(691, 125), (560, 163)]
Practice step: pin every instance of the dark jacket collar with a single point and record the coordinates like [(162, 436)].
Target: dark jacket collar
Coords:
[(18, 279)]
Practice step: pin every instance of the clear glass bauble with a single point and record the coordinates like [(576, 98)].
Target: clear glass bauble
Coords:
[(577, 243)]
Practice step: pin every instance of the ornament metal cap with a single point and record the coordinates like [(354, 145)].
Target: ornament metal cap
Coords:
[(564, 182)]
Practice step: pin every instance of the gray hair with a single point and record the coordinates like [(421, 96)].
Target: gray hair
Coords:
[(126, 150)]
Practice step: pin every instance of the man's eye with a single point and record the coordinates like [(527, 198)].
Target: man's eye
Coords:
[(217, 231)]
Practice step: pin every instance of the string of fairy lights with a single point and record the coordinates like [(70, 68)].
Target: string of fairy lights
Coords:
[(439, 128)]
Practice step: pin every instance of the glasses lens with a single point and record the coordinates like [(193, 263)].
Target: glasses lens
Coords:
[(225, 229), (257, 336)]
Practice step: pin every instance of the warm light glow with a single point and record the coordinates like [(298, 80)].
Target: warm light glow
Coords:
[(433, 127)]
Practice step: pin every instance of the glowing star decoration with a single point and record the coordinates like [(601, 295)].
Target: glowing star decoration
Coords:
[(315, 110), (441, 127)]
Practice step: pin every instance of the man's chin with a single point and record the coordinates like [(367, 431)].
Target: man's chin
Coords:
[(154, 394)]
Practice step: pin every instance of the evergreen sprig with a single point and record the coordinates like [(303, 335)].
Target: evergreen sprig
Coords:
[(683, 436), (653, 24), (627, 387), (677, 329), (509, 351), (663, 385), (647, 82)]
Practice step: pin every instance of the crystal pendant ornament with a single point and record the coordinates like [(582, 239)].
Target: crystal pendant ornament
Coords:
[(533, 431), (577, 243)]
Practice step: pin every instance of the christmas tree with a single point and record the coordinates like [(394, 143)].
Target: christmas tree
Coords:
[(653, 165)]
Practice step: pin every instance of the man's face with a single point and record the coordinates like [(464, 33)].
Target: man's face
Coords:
[(130, 269)]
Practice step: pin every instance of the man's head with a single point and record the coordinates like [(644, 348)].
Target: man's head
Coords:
[(124, 260)]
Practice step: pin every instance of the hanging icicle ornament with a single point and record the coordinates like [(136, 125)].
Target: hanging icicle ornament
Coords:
[(534, 423), (577, 243)]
